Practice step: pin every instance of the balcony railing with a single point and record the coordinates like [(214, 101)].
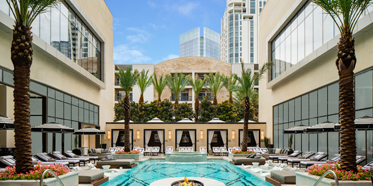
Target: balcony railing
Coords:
[(117, 83), (117, 98), (182, 98), (211, 97)]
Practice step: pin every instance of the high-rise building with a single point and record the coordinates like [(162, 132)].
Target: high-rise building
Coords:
[(192, 44), (239, 31)]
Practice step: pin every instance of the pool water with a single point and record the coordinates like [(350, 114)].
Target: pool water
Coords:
[(147, 172)]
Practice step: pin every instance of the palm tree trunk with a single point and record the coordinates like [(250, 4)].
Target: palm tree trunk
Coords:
[(196, 108), (246, 124), (215, 102), (21, 55), (127, 109), (159, 101), (141, 100), (346, 62), (230, 98), (175, 107)]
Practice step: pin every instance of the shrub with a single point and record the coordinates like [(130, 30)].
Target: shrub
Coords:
[(319, 170), (207, 110), (34, 174), (183, 110), (242, 152), (226, 111), (131, 152), (165, 111)]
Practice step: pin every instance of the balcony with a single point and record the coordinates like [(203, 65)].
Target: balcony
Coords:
[(211, 97), (120, 97), (117, 82), (182, 98)]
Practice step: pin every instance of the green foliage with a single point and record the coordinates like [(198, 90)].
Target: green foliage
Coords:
[(197, 85), (226, 111), (144, 81), (183, 110), (240, 110), (177, 83), (207, 110), (25, 12), (159, 85), (165, 111), (127, 79), (215, 82), (290, 141), (119, 110), (345, 13), (266, 142)]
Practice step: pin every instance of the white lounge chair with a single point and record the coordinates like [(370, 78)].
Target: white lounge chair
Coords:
[(169, 149), (223, 151), (202, 149), (216, 151), (182, 149)]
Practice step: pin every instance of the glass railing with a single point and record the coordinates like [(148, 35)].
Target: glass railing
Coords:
[(211, 97), (117, 98)]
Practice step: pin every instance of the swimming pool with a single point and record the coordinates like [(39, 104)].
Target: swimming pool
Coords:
[(147, 172)]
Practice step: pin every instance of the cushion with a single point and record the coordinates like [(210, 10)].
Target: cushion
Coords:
[(257, 157), (76, 156), (98, 151), (278, 151), (110, 157), (90, 151), (301, 157), (90, 176), (313, 159), (120, 162), (247, 160), (287, 177)]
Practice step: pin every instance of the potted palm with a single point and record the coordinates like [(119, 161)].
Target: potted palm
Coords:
[(103, 145), (290, 144)]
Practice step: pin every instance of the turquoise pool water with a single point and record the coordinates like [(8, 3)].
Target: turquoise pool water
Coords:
[(147, 172)]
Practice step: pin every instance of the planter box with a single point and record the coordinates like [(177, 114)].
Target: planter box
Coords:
[(305, 179), (70, 179), (128, 156), (237, 155)]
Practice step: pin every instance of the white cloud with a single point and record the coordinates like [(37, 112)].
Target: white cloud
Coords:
[(124, 55), (171, 56), (152, 4), (141, 36), (186, 9)]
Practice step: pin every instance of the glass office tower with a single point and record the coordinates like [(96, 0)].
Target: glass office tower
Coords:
[(239, 31), (192, 44)]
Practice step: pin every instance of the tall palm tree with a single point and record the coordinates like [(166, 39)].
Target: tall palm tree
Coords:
[(215, 83), (177, 84), (229, 82), (345, 14), (159, 86), (197, 86), (144, 81), (24, 13), (127, 79), (245, 87)]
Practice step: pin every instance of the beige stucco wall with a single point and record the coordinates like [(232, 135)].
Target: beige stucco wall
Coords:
[(49, 70), (197, 64), (317, 73), (173, 127)]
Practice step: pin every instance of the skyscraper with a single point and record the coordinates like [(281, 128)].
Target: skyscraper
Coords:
[(192, 44), (239, 31)]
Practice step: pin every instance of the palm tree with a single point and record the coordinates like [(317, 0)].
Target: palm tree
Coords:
[(229, 82), (245, 87), (144, 81), (24, 13), (159, 86), (197, 86), (177, 84), (127, 79), (215, 83), (345, 14)]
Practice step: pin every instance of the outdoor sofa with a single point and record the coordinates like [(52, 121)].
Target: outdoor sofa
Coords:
[(100, 153), (92, 177), (279, 178), (248, 160), (274, 152), (116, 163)]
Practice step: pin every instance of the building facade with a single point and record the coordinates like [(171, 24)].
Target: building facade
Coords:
[(73, 54), (239, 31), (192, 44), (302, 87)]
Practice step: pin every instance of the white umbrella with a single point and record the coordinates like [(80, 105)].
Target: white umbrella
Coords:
[(250, 121), (216, 120), (155, 120), (89, 131), (185, 120), (122, 121)]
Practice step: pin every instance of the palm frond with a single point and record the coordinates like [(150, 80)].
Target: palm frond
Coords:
[(144, 81), (160, 84), (345, 13), (127, 79), (214, 82), (25, 11), (177, 83), (229, 82), (197, 85)]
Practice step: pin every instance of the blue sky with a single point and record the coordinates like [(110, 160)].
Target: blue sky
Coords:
[(147, 31)]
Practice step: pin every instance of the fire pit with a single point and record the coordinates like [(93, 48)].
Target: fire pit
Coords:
[(180, 183)]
